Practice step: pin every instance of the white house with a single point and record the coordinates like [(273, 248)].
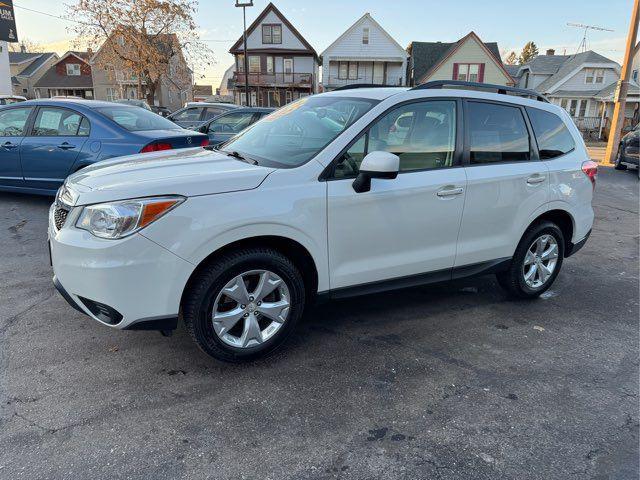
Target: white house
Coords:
[(583, 84), (283, 66), (364, 54)]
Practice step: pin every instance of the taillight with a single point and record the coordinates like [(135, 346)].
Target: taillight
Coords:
[(590, 169), (204, 142), (156, 147)]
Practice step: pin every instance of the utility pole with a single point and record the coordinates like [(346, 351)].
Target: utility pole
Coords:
[(620, 95), (244, 5)]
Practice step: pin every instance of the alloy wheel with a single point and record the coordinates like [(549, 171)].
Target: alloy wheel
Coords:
[(540, 261), (251, 308)]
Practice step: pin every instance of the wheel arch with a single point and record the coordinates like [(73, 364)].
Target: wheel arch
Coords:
[(563, 219), (292, 249)]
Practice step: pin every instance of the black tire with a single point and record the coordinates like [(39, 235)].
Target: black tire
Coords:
[(513, 280), (203, 290), (617, 165)]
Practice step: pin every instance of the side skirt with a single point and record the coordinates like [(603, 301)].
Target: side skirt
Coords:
[(456, 273)]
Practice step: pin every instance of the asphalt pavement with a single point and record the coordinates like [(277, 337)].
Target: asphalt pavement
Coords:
[(440, 382)]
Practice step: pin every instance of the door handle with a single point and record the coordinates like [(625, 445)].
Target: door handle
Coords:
[(449, 192), (66, 146), (535, 179), (9, 145)]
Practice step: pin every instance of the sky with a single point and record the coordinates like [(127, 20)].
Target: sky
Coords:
[(510, 23)]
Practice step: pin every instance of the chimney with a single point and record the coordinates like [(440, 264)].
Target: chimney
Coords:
[(551, 51)]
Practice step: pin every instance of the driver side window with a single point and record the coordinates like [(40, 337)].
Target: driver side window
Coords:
[(422, 134)]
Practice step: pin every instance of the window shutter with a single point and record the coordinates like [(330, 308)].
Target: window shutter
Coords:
[(481, 73), (455, 71)]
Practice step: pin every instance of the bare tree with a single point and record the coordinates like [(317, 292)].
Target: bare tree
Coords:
[(145, 38), (511, 59), (529, 51), (27, 45)]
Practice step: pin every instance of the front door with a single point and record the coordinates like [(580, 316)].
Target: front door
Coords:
[(288, 70), (52, 147), (506, 184), (406, 226), (378, 73), (13, 125)]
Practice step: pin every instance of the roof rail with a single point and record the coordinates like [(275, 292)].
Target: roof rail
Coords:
[(353, 86), (501, 89)]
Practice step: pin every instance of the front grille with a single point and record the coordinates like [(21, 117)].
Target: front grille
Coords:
[(59, 216)]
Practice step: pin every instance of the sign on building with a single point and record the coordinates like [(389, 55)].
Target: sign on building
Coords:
[(8, 31)]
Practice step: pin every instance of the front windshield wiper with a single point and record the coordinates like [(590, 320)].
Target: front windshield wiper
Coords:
[(237, 155)]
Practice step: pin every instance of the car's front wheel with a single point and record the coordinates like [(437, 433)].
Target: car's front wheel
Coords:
[(244, 304), (536, 262)]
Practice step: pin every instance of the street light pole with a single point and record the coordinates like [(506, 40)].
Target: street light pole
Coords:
[(620, 95), (244, 5)]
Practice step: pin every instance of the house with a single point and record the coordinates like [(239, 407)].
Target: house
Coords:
[(583, 84), (364, 53), (282, 65), (70, 75), (227, 82), (27, 68), (202, 92), (113, 80), (468, 59)]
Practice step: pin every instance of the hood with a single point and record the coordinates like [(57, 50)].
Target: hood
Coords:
[(188, 172)]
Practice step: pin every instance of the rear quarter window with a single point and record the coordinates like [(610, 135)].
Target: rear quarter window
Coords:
[(552, 135)]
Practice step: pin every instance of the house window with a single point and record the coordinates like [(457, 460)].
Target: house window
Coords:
[(353, 70), (634, 75), (111, 94), (468, 72), (254, 64), (594, 75), (365, 36), (270, 64), (582, 111), (573, 106), (272, 34), (563, 103), (241, 63), (343, 70), (73, 69)]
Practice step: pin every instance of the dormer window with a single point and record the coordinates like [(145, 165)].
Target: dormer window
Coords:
[(594, 75), (272, 34), (365, 36), (73, 69)]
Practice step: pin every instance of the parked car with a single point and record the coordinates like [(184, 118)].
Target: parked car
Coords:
[(194, 114), (43, 141), (628, 150), (9, 99), (229, 124), (162, 111), (135, 103), (302, 205)]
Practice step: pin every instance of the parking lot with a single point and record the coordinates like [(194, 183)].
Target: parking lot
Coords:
[(447, 381)]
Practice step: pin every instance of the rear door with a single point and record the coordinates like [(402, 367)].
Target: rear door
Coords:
[(13, 125), (506, 181), (52, 146)]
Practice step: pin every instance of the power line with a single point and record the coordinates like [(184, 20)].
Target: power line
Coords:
[(48, 14)]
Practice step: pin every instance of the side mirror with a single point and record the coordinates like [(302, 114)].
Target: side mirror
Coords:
[(203, 129), (377, 164)]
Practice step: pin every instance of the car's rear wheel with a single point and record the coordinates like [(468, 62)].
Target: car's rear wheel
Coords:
[(244, 305), (618, 165), (536, 262)]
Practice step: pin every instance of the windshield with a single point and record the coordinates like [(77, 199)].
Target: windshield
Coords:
[(136, 119), (295, 133)]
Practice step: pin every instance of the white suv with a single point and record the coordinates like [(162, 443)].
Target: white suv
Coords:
[(348, 192)]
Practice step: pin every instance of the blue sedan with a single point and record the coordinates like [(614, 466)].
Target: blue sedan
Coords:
[(44, 141)]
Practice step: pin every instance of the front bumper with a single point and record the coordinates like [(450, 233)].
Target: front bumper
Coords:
[(131, 283)]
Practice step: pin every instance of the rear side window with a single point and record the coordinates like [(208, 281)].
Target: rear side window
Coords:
[(551, 133), (497, 133), (13, 121)]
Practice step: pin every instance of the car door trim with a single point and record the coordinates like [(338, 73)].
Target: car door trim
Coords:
[(437, 276)]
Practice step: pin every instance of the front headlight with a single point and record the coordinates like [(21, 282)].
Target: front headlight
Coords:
[(115, 220)]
